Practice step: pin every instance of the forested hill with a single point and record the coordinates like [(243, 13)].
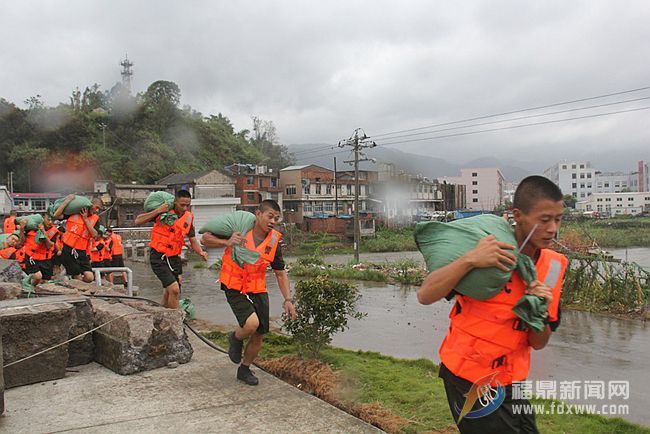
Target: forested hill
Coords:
[(125, 138)]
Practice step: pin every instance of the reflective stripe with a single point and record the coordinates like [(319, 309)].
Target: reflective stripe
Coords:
[(553, 273)]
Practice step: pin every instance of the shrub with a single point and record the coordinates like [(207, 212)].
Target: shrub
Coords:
[(310, 260), (323, 307)]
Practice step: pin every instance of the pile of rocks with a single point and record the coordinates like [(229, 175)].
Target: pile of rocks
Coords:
[(135, 335)]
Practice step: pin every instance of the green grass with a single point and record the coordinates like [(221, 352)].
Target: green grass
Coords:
[(611, 233), (344, 272), (412, 389)]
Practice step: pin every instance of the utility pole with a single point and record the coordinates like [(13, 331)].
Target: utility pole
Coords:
[(336, 192), (359, 140), (103, 134)]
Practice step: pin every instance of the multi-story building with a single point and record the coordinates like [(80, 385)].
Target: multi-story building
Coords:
[(213, 193), (6, 204), (579, 179), (127, 201), (454, 196), (30, 203), (484, 187), (576, 178), (400, 198), (253, 184), (312, 190), (611, 204)]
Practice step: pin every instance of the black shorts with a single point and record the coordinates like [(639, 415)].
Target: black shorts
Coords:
[(75, 262), (56, 260), (101, 264), (502, 420), (118, 261), (167, 269), (245, 305), (33, 266)]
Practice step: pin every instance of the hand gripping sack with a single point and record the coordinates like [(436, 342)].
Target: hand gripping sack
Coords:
[(225, 225)]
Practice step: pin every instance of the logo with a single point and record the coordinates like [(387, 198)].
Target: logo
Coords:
[(488, 397)]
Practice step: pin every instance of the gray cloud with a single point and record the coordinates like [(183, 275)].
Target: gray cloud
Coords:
[(321, 69)]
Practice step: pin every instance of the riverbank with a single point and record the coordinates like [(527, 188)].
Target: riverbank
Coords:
[(606, 233), (407, 396)]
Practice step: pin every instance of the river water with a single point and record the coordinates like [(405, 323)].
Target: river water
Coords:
[(585, 348)]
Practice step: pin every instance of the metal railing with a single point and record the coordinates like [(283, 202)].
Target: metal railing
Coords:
[(129, 275)]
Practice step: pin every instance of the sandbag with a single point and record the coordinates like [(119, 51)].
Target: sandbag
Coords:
[(33, 221), (155, 200), (74, 207), (442, 243), (225, 225)]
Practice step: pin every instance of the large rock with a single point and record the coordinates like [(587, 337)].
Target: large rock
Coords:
[(9, 290), (2, 380), (10, 271), (144, 337), (54, 288), (81, 351), (31, 326)]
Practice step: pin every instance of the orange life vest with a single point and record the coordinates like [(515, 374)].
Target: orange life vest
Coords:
[(7, 252), (20, 257), (485, 337), (76, 233), (95, 255), (107, 251), (169, 240), (117, 244), (251, 278), (9, 225), (40, 252)]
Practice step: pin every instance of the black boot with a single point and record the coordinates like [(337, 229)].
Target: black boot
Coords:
[(244, 374), (235, 349)]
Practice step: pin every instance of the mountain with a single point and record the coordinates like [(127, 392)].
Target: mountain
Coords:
[(431, 167)]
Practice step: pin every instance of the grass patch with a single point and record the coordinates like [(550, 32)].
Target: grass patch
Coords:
[(339, 272), (411, 389), (610, 233)]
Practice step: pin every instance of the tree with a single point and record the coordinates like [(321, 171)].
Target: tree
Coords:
[(569, 201)]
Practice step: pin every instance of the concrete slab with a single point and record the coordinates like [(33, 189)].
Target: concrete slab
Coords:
[(200, 396)]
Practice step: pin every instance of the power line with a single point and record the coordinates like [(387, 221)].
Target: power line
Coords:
[(521, 117), (327, 154), (309, 151), (515, 126), (512, 112)]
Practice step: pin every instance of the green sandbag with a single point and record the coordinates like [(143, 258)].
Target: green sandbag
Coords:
[(225, 225), (74, 207), (155, 200), (186, 305), (33, 221), (442, 243)]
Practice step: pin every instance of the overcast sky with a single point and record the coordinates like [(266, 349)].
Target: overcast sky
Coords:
[(319, 69)]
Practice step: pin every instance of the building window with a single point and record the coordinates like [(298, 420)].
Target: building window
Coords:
[(474, 182), (305, 189), (261, 182), (274, 182), (290, 189), (600, 199), (306, 207), (328, 189), (350, 189), (318, 207), (250, 180), (318, 189), (474, 174), (582, 186), (250, 196), (474, 191), (329, 206), (574, 185), (582, 166), (619, 199), (564, 166), (582, 195), (38, 204), (608, 199), (573, 176), (607, 185), (582, 176), (589, 175), (573, 166), (475, 200), (129, 216)]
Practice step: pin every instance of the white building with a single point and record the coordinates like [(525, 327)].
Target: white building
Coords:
[(577, 178), (613, 182), (6, 204), (484, 187), (632, 203)]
